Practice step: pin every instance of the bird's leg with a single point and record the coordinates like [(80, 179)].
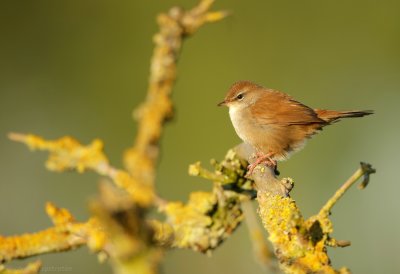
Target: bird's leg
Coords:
[(262, 158)]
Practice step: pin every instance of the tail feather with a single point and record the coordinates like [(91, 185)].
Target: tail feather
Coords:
[(332, 116)]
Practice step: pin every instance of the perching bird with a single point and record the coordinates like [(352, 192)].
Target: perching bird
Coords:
[(274, 123)]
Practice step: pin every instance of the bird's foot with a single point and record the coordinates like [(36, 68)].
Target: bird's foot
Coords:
[(262, 158)]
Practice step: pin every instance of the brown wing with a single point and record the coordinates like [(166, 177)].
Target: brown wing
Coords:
[(275, 107)]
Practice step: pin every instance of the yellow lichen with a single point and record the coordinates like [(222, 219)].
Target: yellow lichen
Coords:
[(141, 193), (288, 234), (31, 268), (59, 216), (67, 153)]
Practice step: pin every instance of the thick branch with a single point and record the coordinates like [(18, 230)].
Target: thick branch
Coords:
[(300, 245), (129, 237)]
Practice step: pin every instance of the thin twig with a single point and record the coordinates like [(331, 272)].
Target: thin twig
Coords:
[(197, 170), (364, 170), (66, 234)]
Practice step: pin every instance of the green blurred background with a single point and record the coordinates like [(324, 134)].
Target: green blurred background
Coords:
[(79, 68)]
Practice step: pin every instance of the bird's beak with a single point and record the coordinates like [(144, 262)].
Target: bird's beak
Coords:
[(223, 103)]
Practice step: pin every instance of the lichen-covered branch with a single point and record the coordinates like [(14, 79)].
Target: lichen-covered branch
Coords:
[(140, 160), (202, 224), (66, 234), (129, 248), (300, 244), (67, 153), (31, 268), (364, 171), (208, 218), (262, 253), (129, 242)]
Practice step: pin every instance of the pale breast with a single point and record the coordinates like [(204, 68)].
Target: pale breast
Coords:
[(247, 129)]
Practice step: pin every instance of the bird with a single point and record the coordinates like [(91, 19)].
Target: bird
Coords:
[(275, 124)]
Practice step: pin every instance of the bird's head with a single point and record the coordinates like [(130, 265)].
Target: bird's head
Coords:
[(241, 94)]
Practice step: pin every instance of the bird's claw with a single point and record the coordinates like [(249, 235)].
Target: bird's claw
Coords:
[(261, 158)]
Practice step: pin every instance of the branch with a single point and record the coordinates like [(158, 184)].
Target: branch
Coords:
[(128, 248), (129, 237), (262, 253), (67, 153), (202, 224), (66, 234), (365, 171), (208, 218), (140, 160), (31, 268), (300, 245)]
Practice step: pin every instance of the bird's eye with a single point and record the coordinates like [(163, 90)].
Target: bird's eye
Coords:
[(239, 96)]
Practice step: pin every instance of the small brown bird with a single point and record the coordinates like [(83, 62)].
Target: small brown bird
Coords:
[(274, 123)]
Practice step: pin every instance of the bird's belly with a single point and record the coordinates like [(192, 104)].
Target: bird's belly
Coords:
[(249, 131), (267, 138)]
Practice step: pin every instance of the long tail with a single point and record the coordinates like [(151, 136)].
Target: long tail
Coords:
[(332, 116)]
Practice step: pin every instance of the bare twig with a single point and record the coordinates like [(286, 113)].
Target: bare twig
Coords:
[(365, 171)]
